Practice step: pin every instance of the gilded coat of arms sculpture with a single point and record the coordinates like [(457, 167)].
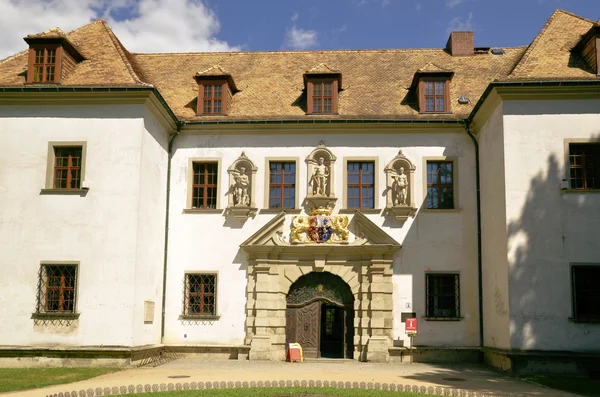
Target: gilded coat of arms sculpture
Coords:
[(320, 227)]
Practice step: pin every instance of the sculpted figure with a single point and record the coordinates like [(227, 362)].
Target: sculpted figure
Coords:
[(399, 187), (240, 188), (319, 178)]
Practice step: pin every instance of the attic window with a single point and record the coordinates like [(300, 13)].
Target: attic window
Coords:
[(322, 96), (52, 56), (215, 92), (44, 65), (433, 95)]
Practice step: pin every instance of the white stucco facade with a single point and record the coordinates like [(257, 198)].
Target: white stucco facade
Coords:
[(113, 231), (540, 226)]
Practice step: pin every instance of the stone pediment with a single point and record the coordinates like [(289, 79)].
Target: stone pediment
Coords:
[(276, 235)]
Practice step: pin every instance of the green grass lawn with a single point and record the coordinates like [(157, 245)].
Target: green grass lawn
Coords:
[(284, 392), (12, 379), (583, 386)]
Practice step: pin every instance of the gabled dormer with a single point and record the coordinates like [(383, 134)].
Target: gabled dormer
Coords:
[(322, 86), (432, 86), (215, 91), (589, 48), (51, 57)]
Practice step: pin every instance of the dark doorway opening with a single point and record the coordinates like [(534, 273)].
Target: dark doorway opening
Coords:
[(320, 316)]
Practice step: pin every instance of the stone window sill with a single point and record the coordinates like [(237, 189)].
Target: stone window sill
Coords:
[(198, 317), (202, 211), (57, 316), (584, 320), (575, 191), (81, 192), (443, 318), (363, 210), (278, 210)]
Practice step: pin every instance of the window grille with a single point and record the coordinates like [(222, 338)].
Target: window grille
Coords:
[(586, 291), (56, 289), (440, 185), (442, 295), (200, 292)]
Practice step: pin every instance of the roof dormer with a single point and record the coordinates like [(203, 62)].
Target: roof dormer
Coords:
[(215, 91), (52, 55), (432, 85), (589, 48), (322, 86)]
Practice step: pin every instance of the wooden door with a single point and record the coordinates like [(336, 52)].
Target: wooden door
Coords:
[(304, 326)]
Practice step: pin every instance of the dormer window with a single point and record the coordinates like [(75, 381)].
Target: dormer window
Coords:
[(433, 95), (51, 56), (322, 87), (44, 65), (432, 86), (321, 96), (215, 92), (212, 99)]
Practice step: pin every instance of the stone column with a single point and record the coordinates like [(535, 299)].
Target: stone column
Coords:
[(381, 306), (361, 315), (258, 321)]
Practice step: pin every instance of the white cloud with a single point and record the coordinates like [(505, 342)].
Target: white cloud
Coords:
[(294, 16), (154, 25), (300, 39), (458, 24), (454, 3)]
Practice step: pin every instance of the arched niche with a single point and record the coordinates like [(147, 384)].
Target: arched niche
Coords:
[(320, 165), (400, 175), (242, 183)]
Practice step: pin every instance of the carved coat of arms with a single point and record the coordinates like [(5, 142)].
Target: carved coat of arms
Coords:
[(320, 227)]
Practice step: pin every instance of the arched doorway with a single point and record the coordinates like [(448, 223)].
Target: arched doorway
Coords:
[(320, 315)]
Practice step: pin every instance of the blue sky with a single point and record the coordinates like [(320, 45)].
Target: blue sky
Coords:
[(257, 25)]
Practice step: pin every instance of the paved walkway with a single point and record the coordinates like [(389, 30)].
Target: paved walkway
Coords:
[(477, 378)]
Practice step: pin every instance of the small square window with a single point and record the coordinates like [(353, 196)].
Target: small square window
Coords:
[(442, 295), (584, 165), (282, 185), (586, 291), (200, 295), (57, 289), (440, 185), (205, 185)]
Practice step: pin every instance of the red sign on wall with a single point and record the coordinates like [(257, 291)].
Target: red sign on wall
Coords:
[(411, 325)]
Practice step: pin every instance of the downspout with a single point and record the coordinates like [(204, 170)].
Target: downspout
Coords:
[(164, 286), (479, 258)]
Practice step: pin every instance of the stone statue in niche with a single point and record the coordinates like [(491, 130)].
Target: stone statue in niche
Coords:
[(240, 188), (320, 170), (399, 187), (242, 183), (320, 178), (400, 175)]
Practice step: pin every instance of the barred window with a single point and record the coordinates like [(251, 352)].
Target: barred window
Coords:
[(584, 165), (200, 295), (67, 167), (56, 289), (440, 185), (442, 295), (586, 291)]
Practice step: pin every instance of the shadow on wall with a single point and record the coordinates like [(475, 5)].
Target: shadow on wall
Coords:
[(556, 228)]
